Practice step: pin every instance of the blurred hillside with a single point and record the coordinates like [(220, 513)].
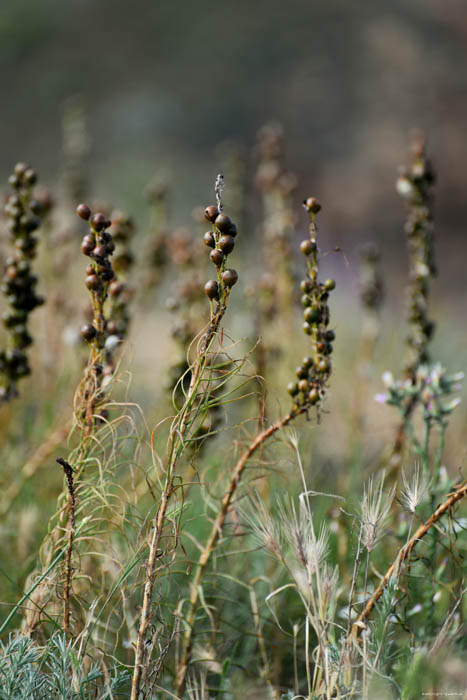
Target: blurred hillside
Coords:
[(165, 82)]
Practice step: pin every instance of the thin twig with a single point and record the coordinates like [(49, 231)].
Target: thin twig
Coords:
[(402, 555), (214, 535), (68, 470)]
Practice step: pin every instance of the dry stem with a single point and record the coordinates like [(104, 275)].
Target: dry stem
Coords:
[(176, 440), (214, 535), (402, 555), (71, 536)]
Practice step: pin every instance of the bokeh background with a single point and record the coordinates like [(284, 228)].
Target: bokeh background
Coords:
[(165, 82)]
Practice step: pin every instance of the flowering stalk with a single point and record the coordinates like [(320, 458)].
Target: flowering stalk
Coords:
[(19, 282), (316, 372), (221, 240)]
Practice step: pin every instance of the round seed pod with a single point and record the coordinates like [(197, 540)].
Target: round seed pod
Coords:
[(116, 288), (303, 385), (87, 245), (306, 300), (20, 168), (216, 256), (211, 288), (83, 211), (313, 396), (312, 314), (292, 388), (109, 247), (89, 269), (223, 222), (226, 243), (232, 230), (30, 176), (307, 247), (14, 181), (88, 332), (306, 286), (211, 213), (98, 221), (92, 282), (301, 372), (312, 205), (329, 285), (330, 336), (229, 277), (323, 366), (307, 328), (307, 362), (107, 274), (99, 251), (209, 239)]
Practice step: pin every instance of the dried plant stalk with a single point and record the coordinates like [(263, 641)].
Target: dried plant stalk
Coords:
[(403, 554)]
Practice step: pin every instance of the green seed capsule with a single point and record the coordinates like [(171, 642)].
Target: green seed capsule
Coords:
[(329, 285), (303, 386), (306, 300), (313, 396), (307, 247), (292, 388), (306, 286)]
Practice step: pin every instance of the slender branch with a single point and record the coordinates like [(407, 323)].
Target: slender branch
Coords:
[(71, 536), (177, 436), (402, 555), (214, 535)]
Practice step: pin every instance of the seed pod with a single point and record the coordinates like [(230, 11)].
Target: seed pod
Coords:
[(211, 213), (211, 288), (303, 385), (307, 247), (99, 251), (307, 328), (292, 388), (223, 222), (30, 176), (301, 372), (98, 221), (313, 396), (116, 288), (92, 282), (87, 245), (216, 256), (329, 285), (312, 314), (307, 362), (229, 277), (306, 286), (83, 211), (226, 244), (323, 366), (209, 239), (312, 205), (232, 230), (330, 336), (88, 332), (306, 300)]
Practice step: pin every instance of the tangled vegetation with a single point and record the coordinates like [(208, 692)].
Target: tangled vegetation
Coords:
[(224, 525)]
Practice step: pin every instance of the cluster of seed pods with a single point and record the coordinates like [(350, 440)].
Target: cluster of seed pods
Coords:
[(222, 241), (315, 370), (415, 184), (19, 283), (97, 245)]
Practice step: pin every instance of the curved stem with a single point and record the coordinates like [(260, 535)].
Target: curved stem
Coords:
[(214, 535)]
